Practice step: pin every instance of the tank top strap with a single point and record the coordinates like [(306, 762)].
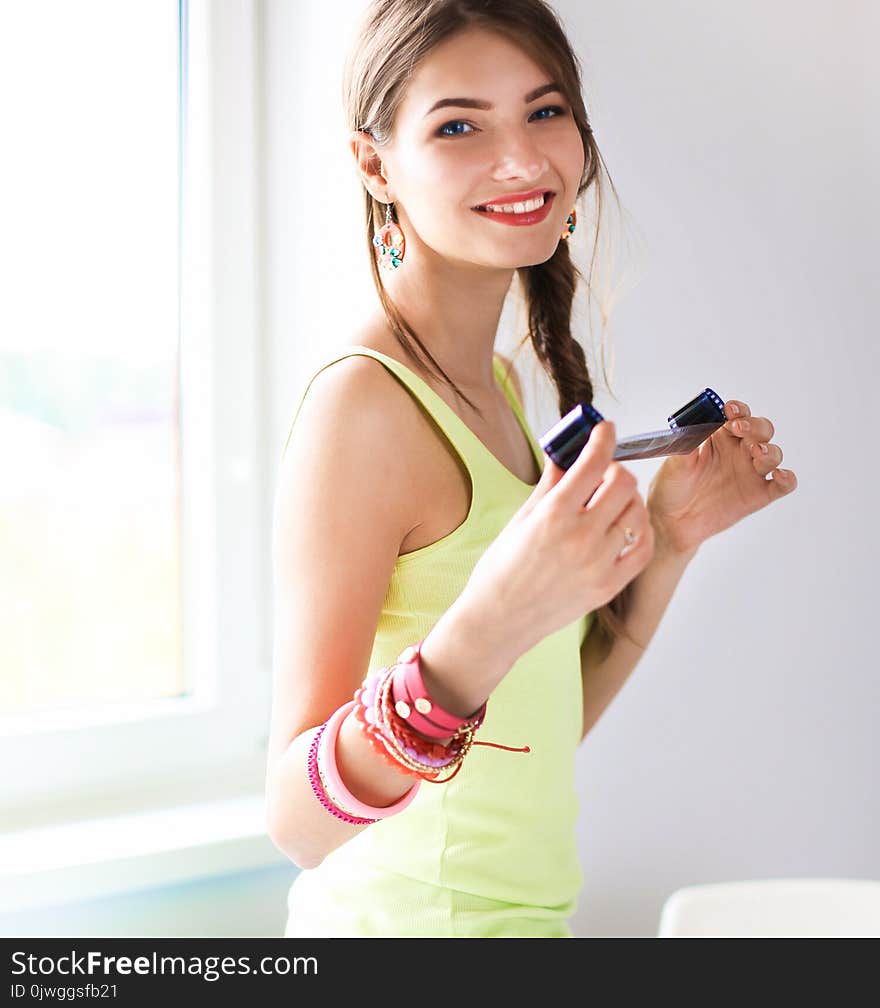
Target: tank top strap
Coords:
[(519, 412), (485, 471)]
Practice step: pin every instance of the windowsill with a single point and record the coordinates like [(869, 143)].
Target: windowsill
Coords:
[(95, 858)]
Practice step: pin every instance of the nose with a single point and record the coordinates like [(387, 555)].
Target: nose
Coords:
[(519, 155)]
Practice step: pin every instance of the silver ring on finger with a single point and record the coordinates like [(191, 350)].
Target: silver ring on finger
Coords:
[(629, 538)]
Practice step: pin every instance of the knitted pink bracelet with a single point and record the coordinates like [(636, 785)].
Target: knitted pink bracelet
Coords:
[(326, 751)]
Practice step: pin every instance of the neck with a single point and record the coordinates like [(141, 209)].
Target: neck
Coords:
[(455, 310)]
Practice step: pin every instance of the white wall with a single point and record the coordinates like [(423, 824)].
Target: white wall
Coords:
[(742, 138)]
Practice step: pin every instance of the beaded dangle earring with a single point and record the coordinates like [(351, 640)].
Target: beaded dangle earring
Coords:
[(390, 245), (570, 225)]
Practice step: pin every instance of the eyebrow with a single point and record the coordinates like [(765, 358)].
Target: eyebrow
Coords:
[(477, 104)]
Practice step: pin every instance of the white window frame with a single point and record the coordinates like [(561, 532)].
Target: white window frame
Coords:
[(64, 767)]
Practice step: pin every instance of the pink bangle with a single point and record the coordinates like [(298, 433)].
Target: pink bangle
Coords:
[(320, 791), (413, 703), (327, 753)]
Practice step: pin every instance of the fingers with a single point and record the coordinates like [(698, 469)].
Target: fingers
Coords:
[(617, 551), (765, 456), (617, 487), (580, 481), (609, 493), (756, 433), (574, 486), (781, 482), (604, 494), (616, 505), (758, 428), (742, 422)]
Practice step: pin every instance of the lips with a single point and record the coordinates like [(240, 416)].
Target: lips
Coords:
[(515, 198), (526, 219)]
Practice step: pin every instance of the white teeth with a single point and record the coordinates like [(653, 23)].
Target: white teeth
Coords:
[(518, 208)]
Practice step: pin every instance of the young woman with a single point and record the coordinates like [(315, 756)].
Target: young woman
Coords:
[(454, 612)]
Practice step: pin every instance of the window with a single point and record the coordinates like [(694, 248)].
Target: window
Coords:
[(134, 652)]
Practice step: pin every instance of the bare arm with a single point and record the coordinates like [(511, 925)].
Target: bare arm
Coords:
[(341, 512), (652, 593)]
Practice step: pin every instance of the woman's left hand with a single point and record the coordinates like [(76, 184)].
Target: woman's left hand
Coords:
[(698, 495)]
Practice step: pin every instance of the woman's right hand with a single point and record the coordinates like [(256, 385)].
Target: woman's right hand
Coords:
[(559, 557)]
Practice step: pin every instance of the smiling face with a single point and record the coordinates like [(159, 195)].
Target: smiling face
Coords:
[(442, 162)]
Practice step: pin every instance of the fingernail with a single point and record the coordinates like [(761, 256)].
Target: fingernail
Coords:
[(733, 409)]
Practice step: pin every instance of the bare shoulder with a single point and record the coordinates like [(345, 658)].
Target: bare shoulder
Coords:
[(342, 509), (357, 413)]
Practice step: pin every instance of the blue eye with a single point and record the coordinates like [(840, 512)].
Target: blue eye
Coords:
[(557, 111)]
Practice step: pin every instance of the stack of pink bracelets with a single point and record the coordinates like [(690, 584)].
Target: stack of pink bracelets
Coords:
[(404, 725)]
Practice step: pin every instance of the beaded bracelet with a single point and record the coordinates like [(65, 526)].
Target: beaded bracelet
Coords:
[(391, 737), (402, 735), (405, 745)]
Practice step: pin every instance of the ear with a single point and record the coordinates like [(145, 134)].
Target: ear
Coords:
[(370, 166)]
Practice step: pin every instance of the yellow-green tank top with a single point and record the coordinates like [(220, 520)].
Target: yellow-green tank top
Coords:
[(492, 852)]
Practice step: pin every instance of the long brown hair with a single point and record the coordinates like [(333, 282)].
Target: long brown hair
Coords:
[(394, 36)]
